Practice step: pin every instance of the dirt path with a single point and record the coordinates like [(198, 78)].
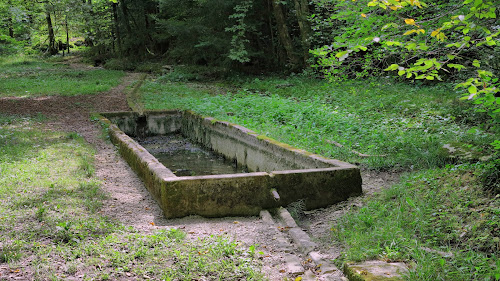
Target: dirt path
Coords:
[(130, 203)]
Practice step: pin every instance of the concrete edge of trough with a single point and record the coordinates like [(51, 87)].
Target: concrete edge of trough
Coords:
[(143, 156), (239, 194), (262, 138)]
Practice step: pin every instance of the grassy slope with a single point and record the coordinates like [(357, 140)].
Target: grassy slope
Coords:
[(49, 219), (26, 77), (439, 208)]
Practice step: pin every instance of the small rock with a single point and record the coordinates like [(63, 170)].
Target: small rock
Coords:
[(302, 240), (293, 265), (287, 218)]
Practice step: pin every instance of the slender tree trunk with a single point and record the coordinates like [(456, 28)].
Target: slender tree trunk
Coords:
[(67, 34), (270, 22), (283, 34), (302, 11), (11, 29), (9, 21), (126, 22), (117, 28), (52, 39)]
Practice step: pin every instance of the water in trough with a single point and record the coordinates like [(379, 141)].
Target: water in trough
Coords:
[(186, 158)]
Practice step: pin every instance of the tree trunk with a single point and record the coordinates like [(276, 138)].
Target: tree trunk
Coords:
[(9, 21), (88, 25), (11, 29), (302, 11), (126, 21), (67, 34), (284, 36), (52, 39), (117, 28)]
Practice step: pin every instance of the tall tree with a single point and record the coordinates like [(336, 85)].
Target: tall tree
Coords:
[(9, 20), (284, 35), (50, 29), (302, 11), (117, 28)]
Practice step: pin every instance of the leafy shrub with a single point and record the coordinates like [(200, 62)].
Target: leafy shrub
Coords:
[(182, 73), (150, 67), (120, 64), (9, 46)]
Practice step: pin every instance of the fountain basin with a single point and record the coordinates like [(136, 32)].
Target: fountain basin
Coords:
[(278, 173)]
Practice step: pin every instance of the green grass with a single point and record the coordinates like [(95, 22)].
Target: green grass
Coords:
[(408, 124), (29, 77), (50, 222), (428, 214)]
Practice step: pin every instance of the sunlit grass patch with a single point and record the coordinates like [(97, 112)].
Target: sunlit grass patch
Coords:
[(27, 77), (440, 220)]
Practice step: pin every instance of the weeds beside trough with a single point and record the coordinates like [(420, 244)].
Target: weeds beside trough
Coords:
[(278, 173)]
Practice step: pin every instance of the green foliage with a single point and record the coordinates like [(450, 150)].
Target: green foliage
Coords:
[(10, 253), (414, 38), (403, 35), (484, 90), (445, 225), (239, 42), (9, 46), (197, 30), (489, 175)]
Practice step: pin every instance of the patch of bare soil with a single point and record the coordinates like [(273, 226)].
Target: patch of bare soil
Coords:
[(130, 203)]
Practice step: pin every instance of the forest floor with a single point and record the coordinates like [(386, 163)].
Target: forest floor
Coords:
[(130, 203)]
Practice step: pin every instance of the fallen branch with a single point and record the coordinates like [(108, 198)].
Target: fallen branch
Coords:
[(354, 151)]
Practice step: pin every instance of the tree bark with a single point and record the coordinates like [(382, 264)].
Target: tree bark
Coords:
[(52, 39), (302, 11), (9, 21), (117, 28), (126, 21), (11, 29), (283, 34), (67, 34), (88, 25)]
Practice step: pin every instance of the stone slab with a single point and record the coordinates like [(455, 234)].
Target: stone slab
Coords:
[(375, 271)]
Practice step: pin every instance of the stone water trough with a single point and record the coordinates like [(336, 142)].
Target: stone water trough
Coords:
[(278, 174)]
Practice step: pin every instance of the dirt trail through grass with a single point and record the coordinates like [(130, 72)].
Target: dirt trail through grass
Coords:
[(130, 203)]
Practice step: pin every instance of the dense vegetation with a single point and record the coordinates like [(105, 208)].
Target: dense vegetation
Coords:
[(409, 82)]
